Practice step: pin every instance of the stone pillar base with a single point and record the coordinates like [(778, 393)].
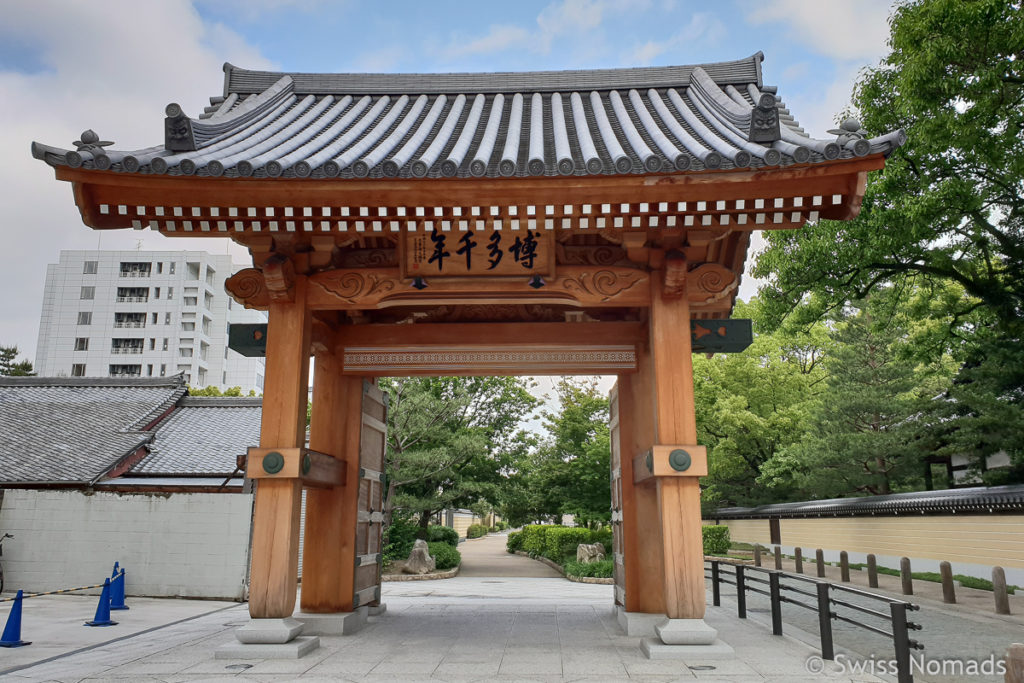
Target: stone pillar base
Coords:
[(333, 623), (377, 610), (637, 623), (269, 639), (685, 639)]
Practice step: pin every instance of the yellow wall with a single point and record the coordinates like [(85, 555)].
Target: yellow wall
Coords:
[(976, 539)]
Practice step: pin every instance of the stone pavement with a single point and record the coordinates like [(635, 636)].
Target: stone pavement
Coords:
[(462, 629), (487, 556)]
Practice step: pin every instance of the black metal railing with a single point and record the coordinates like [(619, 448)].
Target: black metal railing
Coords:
[(780, 587)]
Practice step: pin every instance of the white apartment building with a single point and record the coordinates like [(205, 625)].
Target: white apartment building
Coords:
[(144, 314)]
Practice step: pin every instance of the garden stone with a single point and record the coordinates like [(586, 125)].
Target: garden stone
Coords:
[(589, 552), (420, 561)]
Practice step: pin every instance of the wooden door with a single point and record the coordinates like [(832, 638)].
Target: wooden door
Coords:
[(369, 524), (618, 543)]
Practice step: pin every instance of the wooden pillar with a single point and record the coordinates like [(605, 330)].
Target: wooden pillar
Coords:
[(676, 424), (641, 532), (328, 556), (275, 539)]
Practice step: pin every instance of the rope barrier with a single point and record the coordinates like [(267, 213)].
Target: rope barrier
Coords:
[(57, 592)]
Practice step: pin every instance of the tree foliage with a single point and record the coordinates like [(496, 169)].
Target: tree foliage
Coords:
[(9, 365), (449, 438)]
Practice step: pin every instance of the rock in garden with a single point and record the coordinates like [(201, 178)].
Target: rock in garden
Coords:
[(589, 552), (420, 561)]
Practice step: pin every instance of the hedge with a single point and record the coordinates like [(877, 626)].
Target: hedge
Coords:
[(398, 539), (716, 539), (601, 569), (533, 538), (561, 541), (445, 556), (476, 531), (514, 542), (443, 533)]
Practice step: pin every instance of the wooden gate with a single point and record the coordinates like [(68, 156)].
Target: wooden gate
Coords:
[(369, 525), (619, 568)]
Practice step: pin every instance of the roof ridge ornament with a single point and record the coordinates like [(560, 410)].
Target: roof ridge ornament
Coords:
[(852, 136), (178, 136)]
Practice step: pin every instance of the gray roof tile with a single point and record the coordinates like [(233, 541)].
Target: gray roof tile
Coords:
[(600, 122)]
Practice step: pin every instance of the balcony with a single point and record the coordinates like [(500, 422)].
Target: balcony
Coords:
[(130, 323), (126, 349), (132, 299), (134, 273)]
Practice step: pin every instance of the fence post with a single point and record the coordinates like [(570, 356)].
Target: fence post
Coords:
[(776, 599), (799, 555), (999, 590), (757, 554), (741, 591), (1015, 663), (905, 577), (819, 560), (778, 557), (825, 621), (844, 566), (872, 571), (716, 594), (948, 591), (901, 641)]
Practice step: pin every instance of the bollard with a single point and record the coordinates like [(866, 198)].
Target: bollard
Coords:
[(775, 595), (901, 640), (102, 617), (905, 577), (741, 592), (948, 591), (825, 621), (12, 631), (1015, 663), (716, 593), (117, 592), (819, 560), (757, 555), (999, 590), (872, 572), (778, 558), (799, 555), (844, 566)]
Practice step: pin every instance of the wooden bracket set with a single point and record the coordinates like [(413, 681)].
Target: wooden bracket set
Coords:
[(670, 461), (313, 468)]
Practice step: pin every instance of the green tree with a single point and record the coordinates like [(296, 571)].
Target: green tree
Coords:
[(754, 403), (448, 438), (215, 391), (9, 365), (865, 435)]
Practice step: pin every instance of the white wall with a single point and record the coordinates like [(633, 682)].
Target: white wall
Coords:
[(181, 544)]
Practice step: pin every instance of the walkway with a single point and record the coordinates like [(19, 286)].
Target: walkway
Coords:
[(487, 556)]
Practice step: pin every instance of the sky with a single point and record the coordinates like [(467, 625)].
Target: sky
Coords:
[(71, 65)]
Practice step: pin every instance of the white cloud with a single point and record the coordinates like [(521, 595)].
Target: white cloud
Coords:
[(841, 30), (500, 37), (702, 28), (114, 71)]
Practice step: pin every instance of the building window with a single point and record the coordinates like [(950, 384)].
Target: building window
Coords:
[(156, 318), (156, 292), (167, 318), (165, 343), (78, 370), (90, 267), (82, 344), (125, 370), (159, 267), (163, 369), (133, 269), (88, 293), (149, 370), (85, 317), (171, 268), (152, 344), (170, 293), (189, 300), (187, 327), (132, 294), (193, 270)]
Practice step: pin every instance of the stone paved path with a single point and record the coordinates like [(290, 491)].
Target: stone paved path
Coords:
[(487, 556)]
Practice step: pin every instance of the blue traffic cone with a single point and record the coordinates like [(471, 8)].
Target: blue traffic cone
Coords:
[(117, 592), (12, 631), (102, 617), (113, 574)]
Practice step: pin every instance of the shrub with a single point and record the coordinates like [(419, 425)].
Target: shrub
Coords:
[(561, 541), (492, 529), (476, 531), (445, 556), (443, 533), (602, 569), (533, 538), (398, 539), (514, 542), (716, 539)]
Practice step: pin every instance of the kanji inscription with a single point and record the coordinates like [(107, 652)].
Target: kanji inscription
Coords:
[(478, 252)]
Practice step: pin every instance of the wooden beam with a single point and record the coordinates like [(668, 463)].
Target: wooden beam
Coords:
[(675, 423), (496, 334), (276, 508), (670, 461)]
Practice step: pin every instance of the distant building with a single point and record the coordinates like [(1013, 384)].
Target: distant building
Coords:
[(143, 314)]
